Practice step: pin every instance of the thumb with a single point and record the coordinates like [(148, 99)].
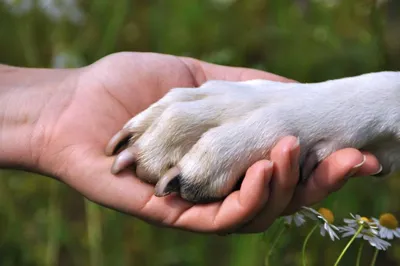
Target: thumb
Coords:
[(204, 71)]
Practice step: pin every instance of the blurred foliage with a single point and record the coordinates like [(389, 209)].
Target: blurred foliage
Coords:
[(43, 222)]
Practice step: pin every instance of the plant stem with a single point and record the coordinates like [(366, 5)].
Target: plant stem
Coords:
[(375, 257), (271, 249), (54, 225), (94, 231), (359, 253), (305, 244), (348, 244), (114, 26)]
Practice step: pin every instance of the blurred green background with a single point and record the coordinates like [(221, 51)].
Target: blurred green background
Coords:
[(43, 222)]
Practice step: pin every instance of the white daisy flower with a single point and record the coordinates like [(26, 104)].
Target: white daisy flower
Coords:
[(388, 226), (357, 220), (377, 242), (326, 218), (296, 218), (368, 232), (367, 235)]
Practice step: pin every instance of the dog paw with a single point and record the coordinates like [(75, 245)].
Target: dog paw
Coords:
[(200, 142)]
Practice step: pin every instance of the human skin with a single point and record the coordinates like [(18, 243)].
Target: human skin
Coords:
[(57, 122)]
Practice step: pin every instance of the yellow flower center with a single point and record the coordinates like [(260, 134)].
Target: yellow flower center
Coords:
[(367, 223), (327, 214), (388, 220)]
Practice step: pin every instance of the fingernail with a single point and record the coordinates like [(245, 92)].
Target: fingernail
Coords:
[(270, 165), (295, 154), (355, 169), (268, 172), (378, 172)]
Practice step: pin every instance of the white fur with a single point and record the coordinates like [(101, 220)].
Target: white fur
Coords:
[(215, 132)]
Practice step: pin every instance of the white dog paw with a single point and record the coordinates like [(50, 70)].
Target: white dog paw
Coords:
[(199, 142)]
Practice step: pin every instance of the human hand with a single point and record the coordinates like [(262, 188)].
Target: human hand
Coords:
[(72, 124)]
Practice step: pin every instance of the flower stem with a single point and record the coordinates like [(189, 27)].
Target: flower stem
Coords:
[(283, 229), (348, 244), (375, 257), (305, 244), (359, 253)]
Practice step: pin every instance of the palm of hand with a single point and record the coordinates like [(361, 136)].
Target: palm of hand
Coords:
[(108, 93)]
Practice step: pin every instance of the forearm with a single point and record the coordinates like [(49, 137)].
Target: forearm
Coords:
[(24, 94)]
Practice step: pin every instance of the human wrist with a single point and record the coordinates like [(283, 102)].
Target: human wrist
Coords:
[(25, 94)]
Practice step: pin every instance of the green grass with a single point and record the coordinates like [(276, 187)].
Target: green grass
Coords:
[(43, 222)]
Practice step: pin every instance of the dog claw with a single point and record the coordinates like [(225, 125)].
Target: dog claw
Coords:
[(116, 141), (125, 159), (168, 183)]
